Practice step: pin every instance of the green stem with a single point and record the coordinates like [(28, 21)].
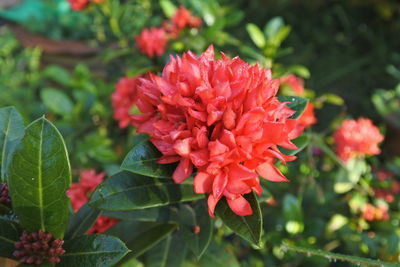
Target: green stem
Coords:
[(335, 256)]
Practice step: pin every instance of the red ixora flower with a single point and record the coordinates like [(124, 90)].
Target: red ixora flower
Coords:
[(220, 116), (183, 18), (79, 194), (123, 99), (357, 137), (152, 41)]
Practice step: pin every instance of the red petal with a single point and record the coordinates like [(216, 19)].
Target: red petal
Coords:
[(270, 172), (240, 206), (240, 172), (199, 157), (212, 202), (203, 183), (183, 171), (182, 147), (219, 184)]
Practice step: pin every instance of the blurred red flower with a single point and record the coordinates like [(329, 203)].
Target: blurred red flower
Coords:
[(152, 41), (308, 117), (183, 18), (375, 213), (357, 137), (296, 83), (79, 194), (220, 116), (123, 99)]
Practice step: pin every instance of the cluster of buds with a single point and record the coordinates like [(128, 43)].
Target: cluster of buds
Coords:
[(37, 247), (4, 196)]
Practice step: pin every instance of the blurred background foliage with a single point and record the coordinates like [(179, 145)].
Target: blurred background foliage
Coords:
[(345, 50)]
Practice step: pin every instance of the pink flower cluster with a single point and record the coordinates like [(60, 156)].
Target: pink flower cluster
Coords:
[(375, 213), (357, 137), (220, 116), (38, 247), (79, 194), (152, 41)]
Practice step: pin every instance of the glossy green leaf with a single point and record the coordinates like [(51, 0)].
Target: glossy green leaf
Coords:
[(158, 214), (256, 34), (93, 250), (9, 234), (39, 177), (56, 101), (142, 159), (296, 103), (129, 191), (301, 142), (11, 131), (293, 214), (170, 252), (189, 219), (80, 222), (248, 227), (141, 236)]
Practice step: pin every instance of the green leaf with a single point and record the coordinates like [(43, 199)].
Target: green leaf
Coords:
[(293, 214), (141, 236), (11, 131), (9, 234), (56, 101), (335, 256), (80, 222), (218, 256), (39, 177), (58, 74), (301, 142), (248, 227), (168, 8), (128, 191), (159, 214), (93, 250), (300, 71), (273, 26), (170, 252), (256, 35), (189, 219), (142, 159), (296, 103)]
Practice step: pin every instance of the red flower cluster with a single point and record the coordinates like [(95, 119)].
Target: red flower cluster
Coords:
[(183, 18), (375, 213), (78, 5), (152, 41), (123, 99), (388, 194), (357, 137), (38, 247), (79, 194), (221, 117)]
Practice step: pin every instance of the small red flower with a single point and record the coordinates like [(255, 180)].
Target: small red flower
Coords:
[(123, 100), (152, 41), (183, 18), (38, 247), (79, 194), (357, 137), (220, 116), (294, 82)]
